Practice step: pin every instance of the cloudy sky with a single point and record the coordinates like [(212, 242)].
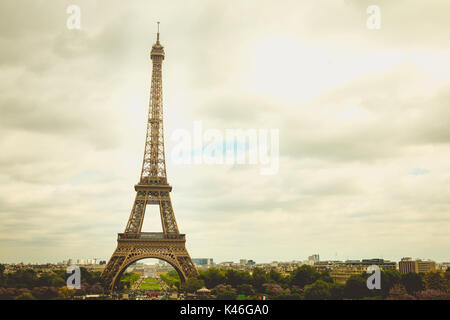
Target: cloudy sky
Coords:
[(363, 119)]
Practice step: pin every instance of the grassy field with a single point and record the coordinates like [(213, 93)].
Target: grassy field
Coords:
[(150, 284), (129, 278)]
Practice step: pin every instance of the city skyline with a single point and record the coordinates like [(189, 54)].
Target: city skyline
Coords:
[(150, 261), (363, 139)]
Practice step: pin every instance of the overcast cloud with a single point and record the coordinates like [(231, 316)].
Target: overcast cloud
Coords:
[(363, 117)]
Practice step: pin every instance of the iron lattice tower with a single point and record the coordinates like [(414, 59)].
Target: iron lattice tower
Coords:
[(134, 245)]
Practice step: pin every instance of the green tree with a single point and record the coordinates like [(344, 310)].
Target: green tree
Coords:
[(174, 274), (432, 294), (389, 278), (435, 281), (336, 291), (2, 276), (273, 290), (398, 292), (447, 278), (319, 290), (325, 276), (287, 295), (44, 293), (212, 277), (55, 280), (88, 277), (259, 277), (22, 279), (235, 278), (276, 277), (66, 293), (193, 284), (356, 288), (245, 289), (25, 296), (171, 279), (412, 282), (303, 276), (225, 292)]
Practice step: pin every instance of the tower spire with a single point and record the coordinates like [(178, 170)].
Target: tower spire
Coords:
[(157, 48), (157, 36)]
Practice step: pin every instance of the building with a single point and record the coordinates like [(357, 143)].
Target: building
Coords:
[(341, 271), (444, 266), (227, 265), (383, 264), (341, 274), (251, 262), (329, 265), (243, 262), (426, 266), (314, 258), (407, 265), (203, 261), (274, 264)]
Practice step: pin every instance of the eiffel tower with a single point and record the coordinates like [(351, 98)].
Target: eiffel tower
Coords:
[(134, 245)]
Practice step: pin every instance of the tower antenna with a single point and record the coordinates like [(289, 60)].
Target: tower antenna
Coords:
[(157, 37)]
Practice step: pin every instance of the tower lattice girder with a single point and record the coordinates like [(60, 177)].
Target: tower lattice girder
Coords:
[(133, 244)]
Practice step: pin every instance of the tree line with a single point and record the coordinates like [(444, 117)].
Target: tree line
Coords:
[(29, 285), (306, 283)]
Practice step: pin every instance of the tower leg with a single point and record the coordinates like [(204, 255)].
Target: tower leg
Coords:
[(173, 251)]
